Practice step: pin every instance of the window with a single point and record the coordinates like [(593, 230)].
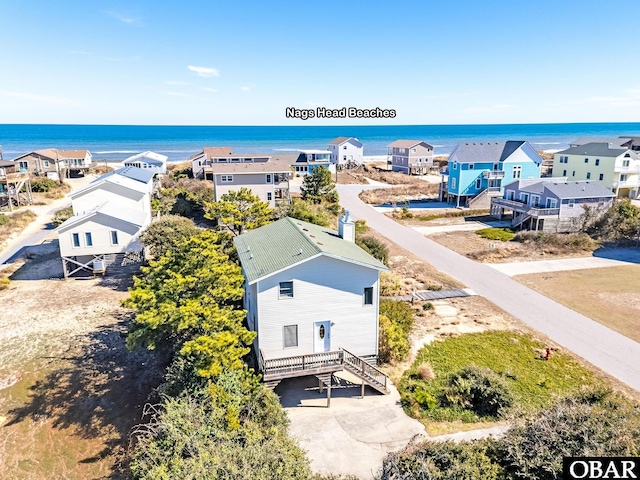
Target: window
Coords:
[(413, 150), (623, 178), (344, 148), (573, 174), (222, 160), (601, 177), (586, 160), (368, 296), (248, 160), (235, 160), (588, 175), (75, 238), (597, 162), (625, 163), (46, 164), (286, 289), (478, 183), (453, 183), (88, 240), (114, 237), (564, 173), (471, 166), (24, 165), (455, 165), (226, 178), (517, 171), (572, 202), (344, 157), (290, 336), (268, 196), (268, 178)]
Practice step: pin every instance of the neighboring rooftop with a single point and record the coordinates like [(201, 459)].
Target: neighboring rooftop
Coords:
[(487, 152), (273, 165), (134, 173), (407, 144), (602, 149), (287, 242), (146, 156), (210, 152), (568, 189), (108, 209), (614, 141)]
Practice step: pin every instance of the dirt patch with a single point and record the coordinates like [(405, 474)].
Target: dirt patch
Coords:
[(494, 251), (609, 298), (400, 194), (69, 389)]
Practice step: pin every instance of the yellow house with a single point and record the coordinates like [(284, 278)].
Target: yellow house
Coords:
[(618, 168)]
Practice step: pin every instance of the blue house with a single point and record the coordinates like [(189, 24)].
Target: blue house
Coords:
[(477, 171)]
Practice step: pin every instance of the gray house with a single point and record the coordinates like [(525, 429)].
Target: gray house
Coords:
[(413, 157), (552, 204)]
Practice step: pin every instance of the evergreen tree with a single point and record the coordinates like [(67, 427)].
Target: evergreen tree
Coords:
[(239, 211), (318, 186)]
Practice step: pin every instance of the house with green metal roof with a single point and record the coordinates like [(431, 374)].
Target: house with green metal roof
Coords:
[(312, 295)]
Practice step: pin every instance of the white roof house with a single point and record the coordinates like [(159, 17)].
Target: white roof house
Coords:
[(311, 292), (129, 186), (109, 228), (109, 215), (151, 161)]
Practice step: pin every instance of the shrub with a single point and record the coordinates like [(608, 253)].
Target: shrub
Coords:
[(557, 241), (425, 399), (4, 219), (425, 371), (166, 233), (396, 320), (375, 247), (43, 185), (62, 216), (302, 211), (592, 423), (502, 234), (443, 461), (390, 283), (621, 223), (4, 283), (479, 389)]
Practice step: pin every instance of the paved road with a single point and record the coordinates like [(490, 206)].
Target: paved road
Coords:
[(599, 345), (563, 264)]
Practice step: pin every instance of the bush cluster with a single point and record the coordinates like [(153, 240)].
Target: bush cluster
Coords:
[(480, 390), (589, 423), (43, 185), (396, 320), (62, 216), (493, 233), (374, 247)]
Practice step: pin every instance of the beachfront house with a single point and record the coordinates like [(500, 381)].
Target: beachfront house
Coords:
[(308, 160), (613, 162), (200, 162), (130, 187), (154, 162), (477, 171), (552, 204), (94, 240), (346, 152), (15, 185), (312, 296), (55, 163), (266, 177), (413, 157)]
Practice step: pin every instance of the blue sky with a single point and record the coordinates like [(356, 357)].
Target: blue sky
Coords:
[(242, 63)]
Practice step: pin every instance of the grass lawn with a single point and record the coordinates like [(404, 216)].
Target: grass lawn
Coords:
[(610, 296), (516, 358), (14, 222)]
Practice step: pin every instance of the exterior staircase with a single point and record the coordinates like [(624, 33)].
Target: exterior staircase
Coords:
[(518, 220), (323, 365)]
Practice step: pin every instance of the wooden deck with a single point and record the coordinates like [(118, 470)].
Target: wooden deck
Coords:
[(321, 364)]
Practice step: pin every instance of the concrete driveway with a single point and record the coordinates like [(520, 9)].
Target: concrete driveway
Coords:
[(353, 436), (559, 265), (606, 349)]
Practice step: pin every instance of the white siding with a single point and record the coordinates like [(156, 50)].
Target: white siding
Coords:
[(111, 192), (100, 227), (324, 289)]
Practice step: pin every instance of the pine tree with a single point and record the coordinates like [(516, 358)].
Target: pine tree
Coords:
[(239, 211), (318, 186)]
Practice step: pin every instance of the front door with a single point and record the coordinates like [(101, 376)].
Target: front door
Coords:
[(322, 336)]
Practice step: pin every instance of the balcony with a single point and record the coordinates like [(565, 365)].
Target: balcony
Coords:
[(534, 211), (626, 184), (493, 174), (628, 169)]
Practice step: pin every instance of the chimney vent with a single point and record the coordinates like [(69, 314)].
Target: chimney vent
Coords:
[(346, 228)]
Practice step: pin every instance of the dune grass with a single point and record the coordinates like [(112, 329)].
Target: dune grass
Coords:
[(517, 358)]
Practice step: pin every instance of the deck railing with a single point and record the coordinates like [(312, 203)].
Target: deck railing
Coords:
[(524, 208), (301, 363), (365, 370)]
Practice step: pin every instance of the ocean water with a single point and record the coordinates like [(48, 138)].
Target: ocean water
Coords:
[(117, 142)]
